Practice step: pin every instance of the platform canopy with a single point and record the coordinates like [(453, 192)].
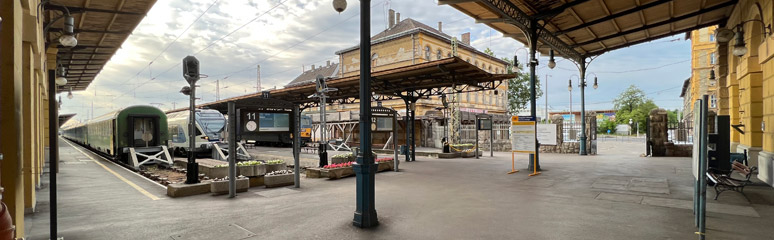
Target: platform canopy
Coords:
[(429, 78), (585, 28), (63, 118), (100, 27)]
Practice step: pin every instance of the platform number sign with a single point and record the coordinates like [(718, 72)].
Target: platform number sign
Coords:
[(251, 125)]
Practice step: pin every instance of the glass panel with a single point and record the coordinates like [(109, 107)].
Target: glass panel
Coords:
[(144, 130)]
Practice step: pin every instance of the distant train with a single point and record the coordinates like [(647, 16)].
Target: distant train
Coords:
[(210, 124), (113, 134), (272, 128)]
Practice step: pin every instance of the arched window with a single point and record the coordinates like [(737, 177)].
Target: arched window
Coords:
[(490, 68), (476, 63), (427, 53), (468, 60), (374, 57), (448, 54), (438, 54)]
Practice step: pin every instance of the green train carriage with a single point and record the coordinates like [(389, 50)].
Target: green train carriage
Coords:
[(113, 134)]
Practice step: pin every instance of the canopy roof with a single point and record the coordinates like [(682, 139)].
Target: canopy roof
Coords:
[(429, 78), (100, 27), (585, 28)]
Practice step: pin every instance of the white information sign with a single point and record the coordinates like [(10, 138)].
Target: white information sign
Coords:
[(523, 136), (546, 134)]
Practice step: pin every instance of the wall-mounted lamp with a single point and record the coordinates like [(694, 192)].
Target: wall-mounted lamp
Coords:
[(723, 35), (712, 75), (60, 79), (70, 93), (68, 38), (739, 48)]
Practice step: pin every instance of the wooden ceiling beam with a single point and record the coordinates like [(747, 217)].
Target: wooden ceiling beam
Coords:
[(668, 21), (613, 16)]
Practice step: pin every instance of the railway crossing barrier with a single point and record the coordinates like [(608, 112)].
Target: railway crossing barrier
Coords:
[(151, 154), (221, 152)]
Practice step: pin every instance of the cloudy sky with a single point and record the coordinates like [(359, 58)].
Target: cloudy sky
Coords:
[(230, 38)]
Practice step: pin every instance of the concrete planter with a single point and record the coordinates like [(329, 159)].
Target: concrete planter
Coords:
[(256, 181), (314, 172), (248, 171), (259, 170), (278, 180), (449, 155), (217, 172), (274, 167), (385, 166), (337, 173), (221, 187)]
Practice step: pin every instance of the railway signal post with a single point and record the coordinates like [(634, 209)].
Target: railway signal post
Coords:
[(191, 75)]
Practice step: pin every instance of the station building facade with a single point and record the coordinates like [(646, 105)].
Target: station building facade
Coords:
[(407, 42), (746, 83), (704, 56)]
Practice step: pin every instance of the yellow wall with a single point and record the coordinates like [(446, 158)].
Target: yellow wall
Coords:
[(411, 49), (703, 51), (23, 113)]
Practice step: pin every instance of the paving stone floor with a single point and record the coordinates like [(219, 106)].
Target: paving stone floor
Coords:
[(614, 195)]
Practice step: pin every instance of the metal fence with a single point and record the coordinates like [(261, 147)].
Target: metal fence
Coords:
[(571, 131), (680, 132)]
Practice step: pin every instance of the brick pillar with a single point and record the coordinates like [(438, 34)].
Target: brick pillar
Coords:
[(658, 132)]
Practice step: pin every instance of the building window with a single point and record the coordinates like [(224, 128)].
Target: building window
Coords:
[(448, 54), (712, 37), (490, 68), (476, 63), (713, 101), (438, 54), (373, 59), (712, 57), (468, 60), (427, 53), (467, 97)]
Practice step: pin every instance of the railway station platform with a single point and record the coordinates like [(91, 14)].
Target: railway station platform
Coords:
[(613, 195)]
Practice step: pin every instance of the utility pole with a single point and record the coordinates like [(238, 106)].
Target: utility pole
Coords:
[(258, 86), (546, 96)]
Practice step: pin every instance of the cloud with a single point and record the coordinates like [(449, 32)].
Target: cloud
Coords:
[(282, 36)]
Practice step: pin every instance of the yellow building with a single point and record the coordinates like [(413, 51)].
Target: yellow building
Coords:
[(703, 58), (746, 80), (406, 42)]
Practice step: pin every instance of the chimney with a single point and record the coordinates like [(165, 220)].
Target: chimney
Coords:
[(312, 66), (392, 18), (439, 27), (328, 63), (397, 18), (466, 38)]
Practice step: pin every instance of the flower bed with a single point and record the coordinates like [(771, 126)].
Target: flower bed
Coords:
[(339, 170), (275, 165), (342, 158), (279, 178), (251, 168), (220, 185), (461, 147), (384, 164)]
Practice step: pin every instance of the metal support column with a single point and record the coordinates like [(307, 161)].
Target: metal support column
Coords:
[(296, 145), (53, 150), (232, 151), (192, 168), (583, 105), (408, 129), (533, 40), (365, 211), (491, 140), (413, 145)]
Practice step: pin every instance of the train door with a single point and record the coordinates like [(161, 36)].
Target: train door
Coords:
[(144, 131)]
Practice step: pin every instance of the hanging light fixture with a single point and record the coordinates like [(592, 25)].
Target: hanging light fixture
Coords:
[(739, 45), (595, 82), (569, 85), (712, 75), (339, 5), (68, 39), (60, 80), (723, 35), (515, 63), (551, 62), (70, 93)]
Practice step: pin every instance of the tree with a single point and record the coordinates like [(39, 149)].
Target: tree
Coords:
[(518, 88), (632, 104)]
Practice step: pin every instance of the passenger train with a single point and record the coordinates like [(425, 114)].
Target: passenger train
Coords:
[(210, 124), (114, 133)]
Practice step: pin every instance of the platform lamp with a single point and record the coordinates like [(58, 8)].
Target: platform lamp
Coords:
[(321, 92), (365, 212), (551, 61)]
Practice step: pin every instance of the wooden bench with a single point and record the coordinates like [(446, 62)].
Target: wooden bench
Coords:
[(723, 180)]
